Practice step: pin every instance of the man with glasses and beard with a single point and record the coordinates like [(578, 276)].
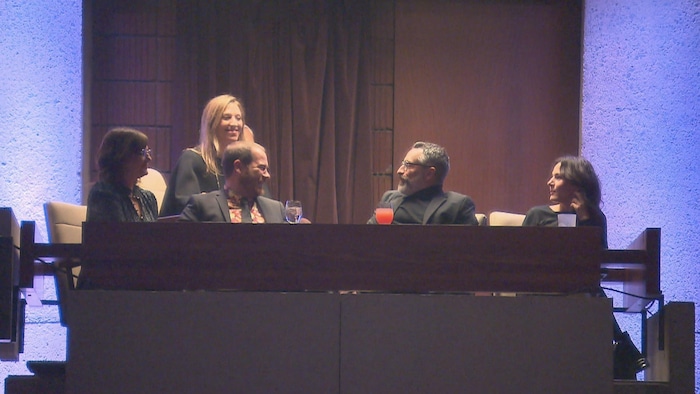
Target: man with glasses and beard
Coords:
[(420, 198), (241, 201)]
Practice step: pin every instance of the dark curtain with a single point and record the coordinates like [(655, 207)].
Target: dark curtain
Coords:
[(301, 68)]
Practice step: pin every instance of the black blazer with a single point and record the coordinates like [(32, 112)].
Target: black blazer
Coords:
[(445, 208), (213, 207)]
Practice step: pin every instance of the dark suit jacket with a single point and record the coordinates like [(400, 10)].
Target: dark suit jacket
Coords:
[(213, 207), (445, 208)]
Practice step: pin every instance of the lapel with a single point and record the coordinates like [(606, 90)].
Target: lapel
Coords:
[(261, 207), (396, 199), (223, 205), (435, 203), (270, 209)]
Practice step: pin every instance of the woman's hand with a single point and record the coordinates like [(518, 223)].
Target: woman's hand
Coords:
[(578, 204)]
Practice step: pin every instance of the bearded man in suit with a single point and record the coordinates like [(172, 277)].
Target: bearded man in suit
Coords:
[(241, 200), (420, 198)]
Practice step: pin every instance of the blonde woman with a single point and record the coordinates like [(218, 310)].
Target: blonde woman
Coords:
[(198, 170)]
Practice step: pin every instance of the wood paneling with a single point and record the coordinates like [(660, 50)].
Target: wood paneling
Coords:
[(495, 82), (382, 97), (200, 256), (133, 67)]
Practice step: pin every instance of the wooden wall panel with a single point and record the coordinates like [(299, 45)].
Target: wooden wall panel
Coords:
[(133, 66), (495, 82), (382, 97), (160, 146), (166, 22), (125, 17), (131, 103), (166, 52), (164, 104), (127, 58), (381, 154), (383, 107)]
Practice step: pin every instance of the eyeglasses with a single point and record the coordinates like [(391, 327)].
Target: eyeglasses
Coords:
[(407, 164), (145, 152)]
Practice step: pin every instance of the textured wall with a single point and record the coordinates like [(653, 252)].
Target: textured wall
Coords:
[(641, 129), (41, 137), (40, 105)]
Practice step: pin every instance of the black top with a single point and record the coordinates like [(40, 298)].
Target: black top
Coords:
[(543, 215), (189, 177), (412, 208), (108, 202), (430, 206)]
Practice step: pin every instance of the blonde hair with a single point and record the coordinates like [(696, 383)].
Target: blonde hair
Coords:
[(211, 117)]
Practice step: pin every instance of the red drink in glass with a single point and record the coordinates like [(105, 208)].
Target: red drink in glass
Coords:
[(384, 215)]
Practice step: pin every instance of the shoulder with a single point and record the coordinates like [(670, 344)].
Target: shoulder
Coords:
[(99, 185), (459, 199), (146, 193), (390, 195), (454, 196), (102, 188), (268, 201), (272, 210), (540, 210), (207, 196), (541, 215), (190, 156)]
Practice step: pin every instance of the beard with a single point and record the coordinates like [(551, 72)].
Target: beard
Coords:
[(252, 184), (405, 186)]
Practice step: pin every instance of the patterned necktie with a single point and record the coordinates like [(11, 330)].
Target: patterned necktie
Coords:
[(245, 212)]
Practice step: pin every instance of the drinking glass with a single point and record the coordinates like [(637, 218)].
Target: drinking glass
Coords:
[(292, 211), (384, 213), (566, 220)]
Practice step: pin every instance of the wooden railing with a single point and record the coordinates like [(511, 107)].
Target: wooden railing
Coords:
[(325, 257)]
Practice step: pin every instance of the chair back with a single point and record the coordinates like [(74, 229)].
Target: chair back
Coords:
[(64, 222), (155, 183), (499, 218)]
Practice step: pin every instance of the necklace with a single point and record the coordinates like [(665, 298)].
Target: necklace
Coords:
[(136, 202)]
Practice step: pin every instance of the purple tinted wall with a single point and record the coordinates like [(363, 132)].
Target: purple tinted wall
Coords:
[(41, 138), (640, 125)]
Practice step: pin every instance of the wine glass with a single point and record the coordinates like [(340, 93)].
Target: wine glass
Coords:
[(384, 213), (292, 211)]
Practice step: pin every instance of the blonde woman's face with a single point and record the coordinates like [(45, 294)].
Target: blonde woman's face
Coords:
[(231, 126)]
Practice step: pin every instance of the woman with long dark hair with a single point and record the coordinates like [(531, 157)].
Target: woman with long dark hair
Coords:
[(574, 188)]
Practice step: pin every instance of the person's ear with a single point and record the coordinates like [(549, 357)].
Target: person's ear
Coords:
[(431, 173), (238, 165)]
